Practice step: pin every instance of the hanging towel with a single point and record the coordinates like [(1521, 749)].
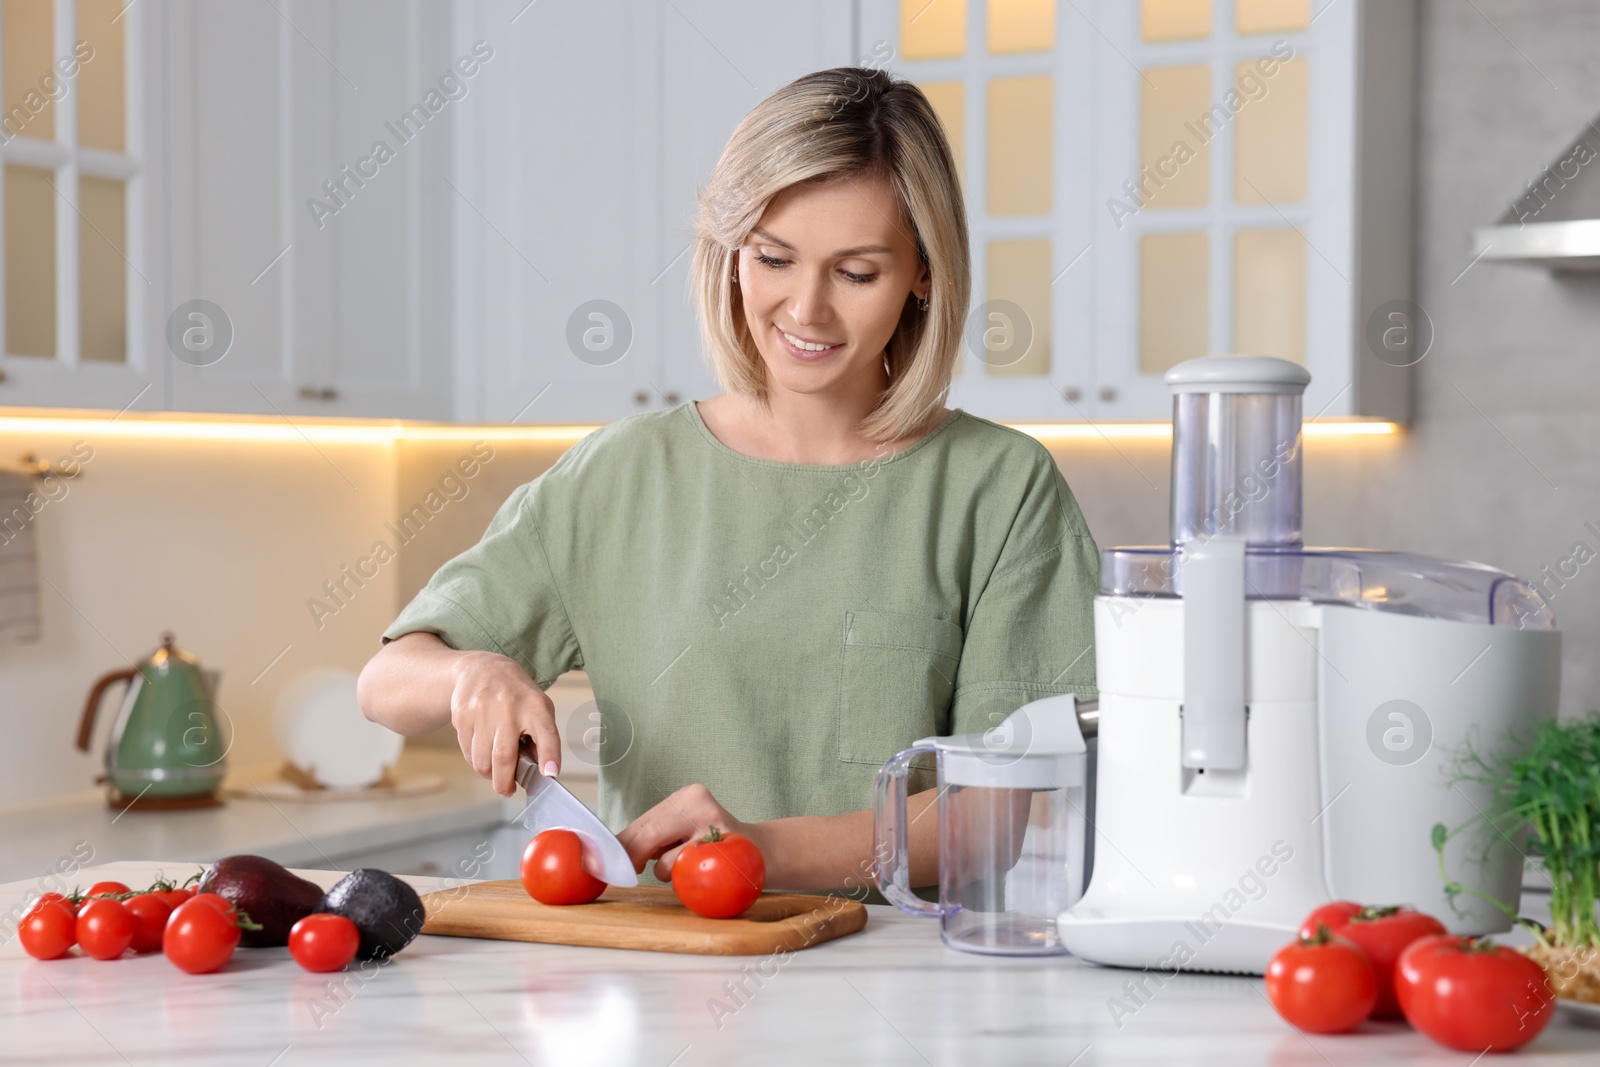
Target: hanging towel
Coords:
[(19, 560)]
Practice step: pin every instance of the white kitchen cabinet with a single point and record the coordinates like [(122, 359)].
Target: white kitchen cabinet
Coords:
[(310, 152), (82, 185), (579, 174), (1281, 227)]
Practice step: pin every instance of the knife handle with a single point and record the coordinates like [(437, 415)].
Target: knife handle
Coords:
[(527, 769)]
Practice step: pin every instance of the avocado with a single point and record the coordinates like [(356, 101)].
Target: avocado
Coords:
[(387, 912), (269, 893)]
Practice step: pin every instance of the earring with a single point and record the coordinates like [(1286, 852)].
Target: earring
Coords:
[(735, 275), (922, 304)]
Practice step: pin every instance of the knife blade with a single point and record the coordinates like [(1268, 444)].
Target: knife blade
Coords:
[(551, 805)]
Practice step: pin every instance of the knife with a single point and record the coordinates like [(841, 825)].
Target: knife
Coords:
[(551, 805)]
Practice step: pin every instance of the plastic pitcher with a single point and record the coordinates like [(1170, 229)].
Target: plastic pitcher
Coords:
[(1011, 806)]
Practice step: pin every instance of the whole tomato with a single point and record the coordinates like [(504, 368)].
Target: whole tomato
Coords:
[(214, 900), (106, 889), (323, 942), (1334, 913), (720, 875), (1382, 932), (552, 870), (1323, 984), (72, 903), (149, 913), (48, 931), (105, 929), (174, 897), (200, 936), (1473, 995)]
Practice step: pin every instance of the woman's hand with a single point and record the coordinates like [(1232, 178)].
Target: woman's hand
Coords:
[(493, 703), (660, 833), (827, 853)]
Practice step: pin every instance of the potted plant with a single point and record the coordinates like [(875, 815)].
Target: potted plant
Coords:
[(1548, 791)]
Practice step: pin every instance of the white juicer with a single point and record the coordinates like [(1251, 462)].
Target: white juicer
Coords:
[(1278, 724)]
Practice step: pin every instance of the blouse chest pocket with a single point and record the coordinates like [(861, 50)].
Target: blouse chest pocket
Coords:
[(895, 683)]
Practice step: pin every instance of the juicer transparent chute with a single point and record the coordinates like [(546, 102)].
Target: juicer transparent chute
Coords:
[(1011, 806)]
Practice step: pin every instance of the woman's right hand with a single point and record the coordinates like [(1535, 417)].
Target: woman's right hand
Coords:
[(492, 705)]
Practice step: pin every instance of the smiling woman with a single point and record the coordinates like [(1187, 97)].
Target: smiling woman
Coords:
[(907, 570)]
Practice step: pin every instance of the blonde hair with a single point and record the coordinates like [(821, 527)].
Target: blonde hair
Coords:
[(834, 124)]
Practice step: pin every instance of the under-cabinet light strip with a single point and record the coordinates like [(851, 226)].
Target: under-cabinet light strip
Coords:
[(389, 432)]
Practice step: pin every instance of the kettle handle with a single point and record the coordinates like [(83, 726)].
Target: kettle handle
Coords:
[(891, 864), (90, 709)]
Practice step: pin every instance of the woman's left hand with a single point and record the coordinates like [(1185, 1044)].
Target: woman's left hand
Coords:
[(685, 816)]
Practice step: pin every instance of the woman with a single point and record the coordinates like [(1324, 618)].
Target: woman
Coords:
[(776, 589)]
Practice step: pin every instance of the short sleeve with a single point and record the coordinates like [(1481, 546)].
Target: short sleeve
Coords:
[(1031, 629), (501, 596)]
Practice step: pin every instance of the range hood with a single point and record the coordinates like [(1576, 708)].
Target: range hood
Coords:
[(1554, 222)]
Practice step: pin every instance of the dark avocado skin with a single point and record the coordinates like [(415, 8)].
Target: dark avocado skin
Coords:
[(269, 893), (386, 911)]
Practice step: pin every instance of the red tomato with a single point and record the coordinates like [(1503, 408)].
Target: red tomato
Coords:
[(552, 870), (106, 889), (1472, 994), (149, 913), (200, 936), (1382, 932), (720, 875), (46, 898), (105, 929), (1324, 984), (174, 897), (323, 942), (49, 929), (1333, 914), (221, 903)]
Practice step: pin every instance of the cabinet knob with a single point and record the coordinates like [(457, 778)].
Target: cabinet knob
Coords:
[(641, 398), (312, 392), (1107, 393), (1072, 393), (672, 398), (2, 375)]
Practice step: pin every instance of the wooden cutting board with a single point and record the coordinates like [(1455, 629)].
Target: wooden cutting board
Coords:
[(641, 917)]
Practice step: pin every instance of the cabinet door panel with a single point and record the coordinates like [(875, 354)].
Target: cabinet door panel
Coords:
[(719, 58), (320, 272), (556, 211)]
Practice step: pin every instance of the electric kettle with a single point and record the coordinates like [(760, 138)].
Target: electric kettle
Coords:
[(1012, 805), (166, 750)]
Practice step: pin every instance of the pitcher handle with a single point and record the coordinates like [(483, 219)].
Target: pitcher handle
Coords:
[(86, 724), (891, 866)]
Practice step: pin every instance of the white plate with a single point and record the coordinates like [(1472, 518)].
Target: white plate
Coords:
[(322, 731)]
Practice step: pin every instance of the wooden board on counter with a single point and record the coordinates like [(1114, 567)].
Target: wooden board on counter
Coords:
[(643, 917)]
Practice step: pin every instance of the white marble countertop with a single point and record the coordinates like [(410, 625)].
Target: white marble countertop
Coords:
[(34, 837), (891, 994)]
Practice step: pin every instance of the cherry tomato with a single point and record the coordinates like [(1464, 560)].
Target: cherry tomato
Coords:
[(106, 889), (323, 942), (552, 870), (49, 930), (200, 936), (45, 898), (1382, 932), (149, 913), (214, 900), (1473, 995), (105, 929), (174, 897), (720, 875), (1323, 984)]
